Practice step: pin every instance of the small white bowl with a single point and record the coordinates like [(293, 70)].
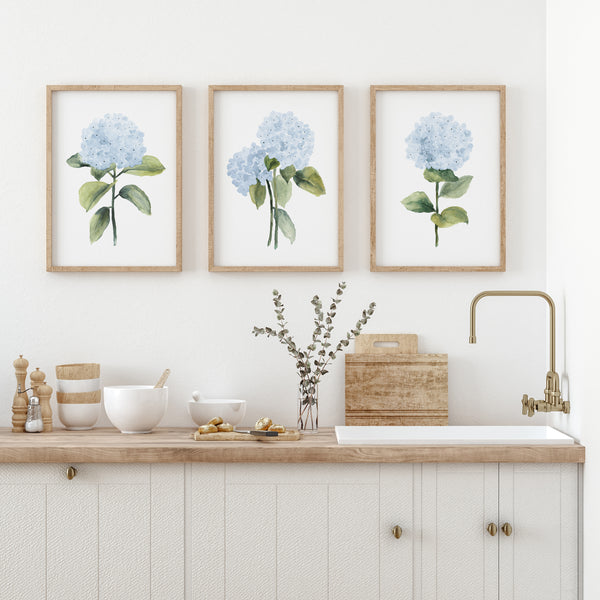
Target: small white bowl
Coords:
[(77, 417), (135, 408), (231, 411), (77, 386)]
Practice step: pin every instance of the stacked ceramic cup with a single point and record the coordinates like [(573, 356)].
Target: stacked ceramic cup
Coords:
[(78, 395)]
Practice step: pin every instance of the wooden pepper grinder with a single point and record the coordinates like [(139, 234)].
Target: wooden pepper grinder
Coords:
[(20, 400), (36, 378), (44, 392)]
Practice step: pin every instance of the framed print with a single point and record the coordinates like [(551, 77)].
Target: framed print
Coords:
[(276, 177), (438, 178), (113, 170)]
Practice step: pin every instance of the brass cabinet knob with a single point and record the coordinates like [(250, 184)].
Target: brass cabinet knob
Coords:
[(71, 472), (397, 531), (507, 529), (492, 529)]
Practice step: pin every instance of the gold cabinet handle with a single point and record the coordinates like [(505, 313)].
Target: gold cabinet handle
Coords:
[(71, 472), (492, 529), (507, 529), (397, 531)]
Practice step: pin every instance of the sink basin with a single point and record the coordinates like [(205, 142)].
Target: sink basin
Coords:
[(451, 435)]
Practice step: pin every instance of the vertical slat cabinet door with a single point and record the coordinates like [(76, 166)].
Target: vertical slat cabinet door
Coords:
[(207, 531), (72, 534), (459, 557), (354, 533), (167, 531), (251, 533), (538, 560), (399, 571), (124, 530), (22, 531)]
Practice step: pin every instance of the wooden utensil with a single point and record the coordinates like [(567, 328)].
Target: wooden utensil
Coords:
[(163, 378), (395, 386)]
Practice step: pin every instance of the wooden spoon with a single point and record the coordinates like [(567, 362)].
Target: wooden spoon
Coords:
[(163, 378)]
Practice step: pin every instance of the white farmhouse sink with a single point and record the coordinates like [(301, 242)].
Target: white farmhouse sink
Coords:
[(451, 434)]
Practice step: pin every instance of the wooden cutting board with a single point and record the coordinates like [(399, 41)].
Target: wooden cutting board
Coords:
[(389, 383), (232, 436)]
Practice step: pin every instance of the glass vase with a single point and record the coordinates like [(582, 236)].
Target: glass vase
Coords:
[(308, 407)]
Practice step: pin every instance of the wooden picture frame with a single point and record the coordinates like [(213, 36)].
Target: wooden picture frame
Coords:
[(397, 249), (98, 113), (318, 248)]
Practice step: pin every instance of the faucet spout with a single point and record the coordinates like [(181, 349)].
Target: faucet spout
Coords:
[(473, 338), (552, 397)]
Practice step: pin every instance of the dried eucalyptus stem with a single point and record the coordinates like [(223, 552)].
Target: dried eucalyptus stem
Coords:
[(312, 361)]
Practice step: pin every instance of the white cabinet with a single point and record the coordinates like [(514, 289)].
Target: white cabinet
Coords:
[(539, 560), (286, 531), (459, 558), (114, 531), (462, 561)]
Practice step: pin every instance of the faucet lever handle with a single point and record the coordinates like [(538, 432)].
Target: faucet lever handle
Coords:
[(528, 405)]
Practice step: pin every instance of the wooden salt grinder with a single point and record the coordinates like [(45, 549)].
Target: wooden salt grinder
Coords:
[(20, 400), (36, 378), (44, 392)]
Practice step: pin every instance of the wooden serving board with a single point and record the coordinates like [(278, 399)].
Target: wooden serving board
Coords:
[(233, 436), (396, 386)]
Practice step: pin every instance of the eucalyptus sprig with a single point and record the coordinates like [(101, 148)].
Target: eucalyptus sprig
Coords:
[(312, 362)]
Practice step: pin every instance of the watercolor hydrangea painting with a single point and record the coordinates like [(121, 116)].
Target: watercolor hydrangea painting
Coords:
[(271, 165), (441, 146), (112, 146)]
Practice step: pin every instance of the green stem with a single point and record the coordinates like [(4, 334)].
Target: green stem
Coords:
[(112, 212), (276, 212), (437, 196), (270, 213)]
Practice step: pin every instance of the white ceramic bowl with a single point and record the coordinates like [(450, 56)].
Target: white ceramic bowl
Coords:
[(135, 408), (77, 417), (77, 386), (231, 411)]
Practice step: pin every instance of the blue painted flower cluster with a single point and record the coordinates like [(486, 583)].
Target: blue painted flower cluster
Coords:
[(280, 135), (439, 142), (287, 138), (112, 139), (246, 166)]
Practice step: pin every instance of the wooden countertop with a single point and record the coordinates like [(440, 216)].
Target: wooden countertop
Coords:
[(173, 445)]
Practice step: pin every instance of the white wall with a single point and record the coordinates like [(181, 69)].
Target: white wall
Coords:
[(573, 252), (198, 323)]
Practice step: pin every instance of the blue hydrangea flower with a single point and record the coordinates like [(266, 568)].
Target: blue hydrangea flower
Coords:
[(439, 142), (246, 166), (284, 137), (112, 139)]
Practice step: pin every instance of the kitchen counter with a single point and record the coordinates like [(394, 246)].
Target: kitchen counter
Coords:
[(174, 445)]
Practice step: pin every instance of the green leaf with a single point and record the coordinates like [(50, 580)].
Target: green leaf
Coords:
[(456, 189), (271, 163), (286, 226), (98, 174), (288, 172), (283, 190), (450, 216), (137, 197), (150, 165), (418, 202), (436, 176), (91, 192), (309, 180), (258, 193), (98, 223), (76, 162)]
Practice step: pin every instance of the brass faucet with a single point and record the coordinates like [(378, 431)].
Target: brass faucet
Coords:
[(552, 397)]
